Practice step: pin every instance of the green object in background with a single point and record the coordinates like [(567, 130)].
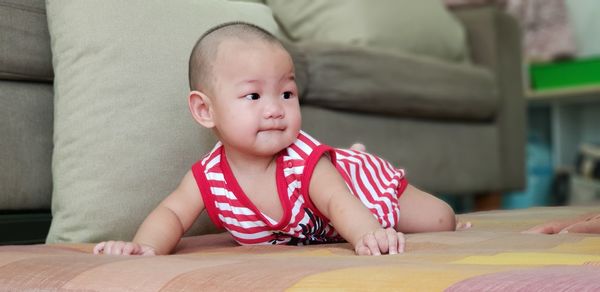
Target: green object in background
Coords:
[(582, 72)]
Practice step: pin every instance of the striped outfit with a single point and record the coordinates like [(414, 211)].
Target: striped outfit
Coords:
[(374, 181)]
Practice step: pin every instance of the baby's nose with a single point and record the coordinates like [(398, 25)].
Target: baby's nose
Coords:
[(274, 110)]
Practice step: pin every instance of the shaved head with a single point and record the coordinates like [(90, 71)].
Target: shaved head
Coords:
[(205, 51)]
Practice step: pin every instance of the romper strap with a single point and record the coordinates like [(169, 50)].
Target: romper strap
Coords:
[(309, 168), (209, 203)]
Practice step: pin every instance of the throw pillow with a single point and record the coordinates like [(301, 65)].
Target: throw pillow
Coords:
[(421, 27), (123, 136)]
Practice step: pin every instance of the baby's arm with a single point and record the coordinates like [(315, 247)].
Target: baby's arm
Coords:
[(349, 216), (419, 219), (423, 212), (163, 228)]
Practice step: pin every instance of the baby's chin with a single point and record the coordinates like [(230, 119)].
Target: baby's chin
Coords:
[(273, 141)]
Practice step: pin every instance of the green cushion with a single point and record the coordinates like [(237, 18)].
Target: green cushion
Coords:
[(422, 27), (123, 135)]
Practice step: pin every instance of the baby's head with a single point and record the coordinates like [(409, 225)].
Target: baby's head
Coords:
[(243, 87)]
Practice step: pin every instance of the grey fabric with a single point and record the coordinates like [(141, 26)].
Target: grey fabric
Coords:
[(25, 42), (385, 82), (513, 118), (439, 157), (495, 43), (25, 145), (480, 25)]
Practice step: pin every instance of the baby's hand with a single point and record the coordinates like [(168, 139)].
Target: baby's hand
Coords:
[(380, 241), (123, 248)]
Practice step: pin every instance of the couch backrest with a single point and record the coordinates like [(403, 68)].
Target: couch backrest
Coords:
[(26, 106)]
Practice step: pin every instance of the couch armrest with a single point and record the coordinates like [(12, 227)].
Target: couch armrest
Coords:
[(490, 34), (494, 39)]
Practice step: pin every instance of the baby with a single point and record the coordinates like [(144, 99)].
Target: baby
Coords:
[(268, 182)]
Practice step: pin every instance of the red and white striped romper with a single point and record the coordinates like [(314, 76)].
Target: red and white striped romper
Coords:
[(374, 181)]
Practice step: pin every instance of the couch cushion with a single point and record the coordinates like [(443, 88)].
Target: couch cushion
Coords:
[(25, 145), (377, 81), (124, 137), (421, 27), (25, 50)]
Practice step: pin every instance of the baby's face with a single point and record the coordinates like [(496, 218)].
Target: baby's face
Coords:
[(255, 99)]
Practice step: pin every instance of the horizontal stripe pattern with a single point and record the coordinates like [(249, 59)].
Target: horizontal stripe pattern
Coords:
[(371, 179)]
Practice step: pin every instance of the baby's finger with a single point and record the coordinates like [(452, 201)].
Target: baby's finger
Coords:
[(108, 247), (383, 242), (392, 241), (99, 248), (401, 242), (130, 249), (114, 248), (370, 242), (363, 251)]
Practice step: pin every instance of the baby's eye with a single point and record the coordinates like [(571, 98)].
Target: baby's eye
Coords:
[(287, 95), (252, 96)]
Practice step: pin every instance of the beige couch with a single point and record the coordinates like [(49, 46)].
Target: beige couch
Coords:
[(457, 128)]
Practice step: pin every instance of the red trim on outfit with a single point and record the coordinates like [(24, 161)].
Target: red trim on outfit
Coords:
[(402, 188), (242, 197), (207, 198), (309, 167)]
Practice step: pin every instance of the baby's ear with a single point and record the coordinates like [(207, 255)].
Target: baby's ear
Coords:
[(200, 107)]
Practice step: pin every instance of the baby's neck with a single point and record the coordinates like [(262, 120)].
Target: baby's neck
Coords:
[(243, 163)]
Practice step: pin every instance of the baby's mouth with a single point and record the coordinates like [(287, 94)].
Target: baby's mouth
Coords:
[(272, 128)]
